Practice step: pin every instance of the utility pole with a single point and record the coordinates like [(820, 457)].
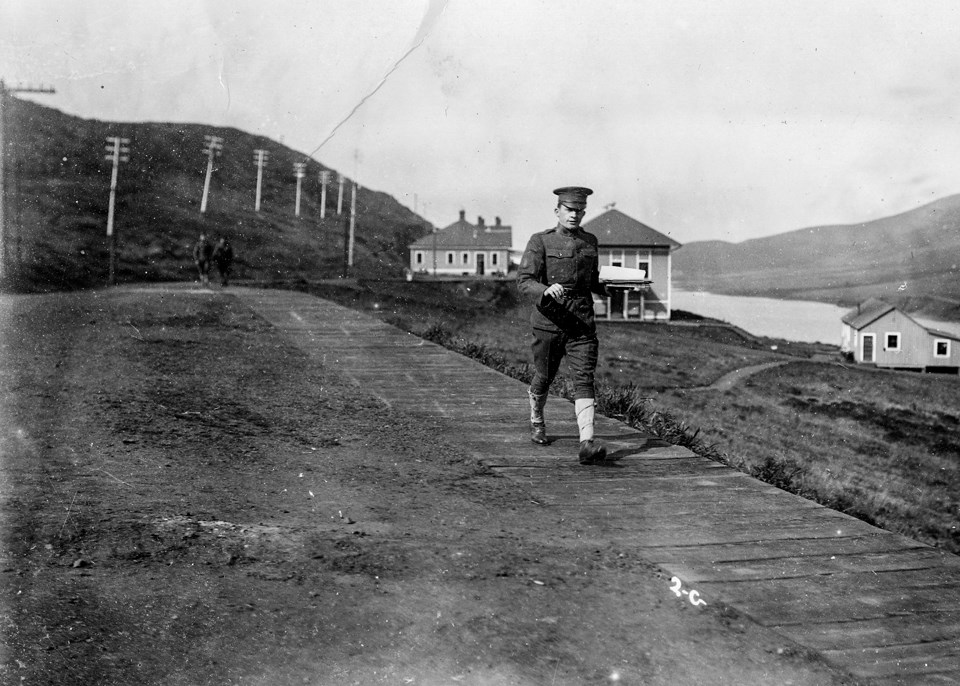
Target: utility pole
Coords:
[(341, 179), (17, 205), (214, 144), (324, 180), (353, 223), (118, 153), (299, 170), (260, 158), (353, 206), (4, 89)]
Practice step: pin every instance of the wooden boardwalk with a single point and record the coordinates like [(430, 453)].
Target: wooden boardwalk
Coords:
[(879, 605)]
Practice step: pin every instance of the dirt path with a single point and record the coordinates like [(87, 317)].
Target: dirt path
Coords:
[(731, 379), (189, 499)]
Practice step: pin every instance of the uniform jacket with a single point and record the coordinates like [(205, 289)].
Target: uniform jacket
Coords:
[(202, 251), (571, 259), (223, 254)]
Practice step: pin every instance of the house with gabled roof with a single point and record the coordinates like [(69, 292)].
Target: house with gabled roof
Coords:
[(880, 334), (626, 242), (463, 249)]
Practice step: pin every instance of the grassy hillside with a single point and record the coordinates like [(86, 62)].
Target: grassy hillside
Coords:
[(58, 185), (911, 259)]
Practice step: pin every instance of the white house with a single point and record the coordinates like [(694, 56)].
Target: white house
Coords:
[(463, 249), (878, 333), (626, 242)]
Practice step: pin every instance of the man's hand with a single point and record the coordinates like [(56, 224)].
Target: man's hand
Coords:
[(555, 291)]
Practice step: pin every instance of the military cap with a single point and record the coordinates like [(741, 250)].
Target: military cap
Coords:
[(574, 197)]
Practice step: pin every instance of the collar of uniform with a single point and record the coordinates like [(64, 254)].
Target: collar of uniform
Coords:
[(569, 232)]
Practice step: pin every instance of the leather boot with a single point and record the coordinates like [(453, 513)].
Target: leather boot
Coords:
[(538, 427), (538, 434), (592, 452)]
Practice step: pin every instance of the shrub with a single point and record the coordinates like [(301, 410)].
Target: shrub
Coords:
[(784, 474)]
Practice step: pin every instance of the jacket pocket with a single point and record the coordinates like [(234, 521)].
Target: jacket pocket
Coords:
[(561, 265)]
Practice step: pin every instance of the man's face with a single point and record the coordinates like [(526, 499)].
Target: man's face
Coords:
[(569, 217)]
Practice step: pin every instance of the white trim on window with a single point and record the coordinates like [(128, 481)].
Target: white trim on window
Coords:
[(615, 258), (946, 347), (886, 341)]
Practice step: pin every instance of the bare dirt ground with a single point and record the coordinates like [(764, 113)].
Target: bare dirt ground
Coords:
[(187, 499)]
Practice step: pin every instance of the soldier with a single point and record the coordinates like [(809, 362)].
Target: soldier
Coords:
[(223, 257), (558, 274), (202, 252)]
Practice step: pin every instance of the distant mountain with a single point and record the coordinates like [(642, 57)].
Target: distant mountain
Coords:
[(911, 259), (58, 186)]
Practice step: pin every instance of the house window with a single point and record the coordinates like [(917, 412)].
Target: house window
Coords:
[(644, 266), (493, 258), (614, 258), (892, 341), (941, 347), (419, 258), (466, 258), (449, 258)]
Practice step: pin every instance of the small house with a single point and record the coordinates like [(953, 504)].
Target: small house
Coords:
[(626, 242), (878, 333), (463, 249)]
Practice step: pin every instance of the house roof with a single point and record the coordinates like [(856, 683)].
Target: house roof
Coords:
[(613, 227), (866, 313), (943, 334), (873, 309), (462, 234)]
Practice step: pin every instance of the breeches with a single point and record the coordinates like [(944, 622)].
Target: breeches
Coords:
[(549, 349)]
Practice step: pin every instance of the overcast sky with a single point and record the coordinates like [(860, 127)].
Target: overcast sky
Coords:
[(708, 119)]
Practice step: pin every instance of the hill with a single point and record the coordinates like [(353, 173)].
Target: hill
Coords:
[(911, 259), (58, 186)]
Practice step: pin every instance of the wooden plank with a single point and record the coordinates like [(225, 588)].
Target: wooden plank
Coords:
[(708, 503), (913, 664), (750, 551), (563, 469), (669, 482), (657, 518), (628, 533), (642, 493), (837, 597), (790, 567), (881, 632), (682, 466)]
